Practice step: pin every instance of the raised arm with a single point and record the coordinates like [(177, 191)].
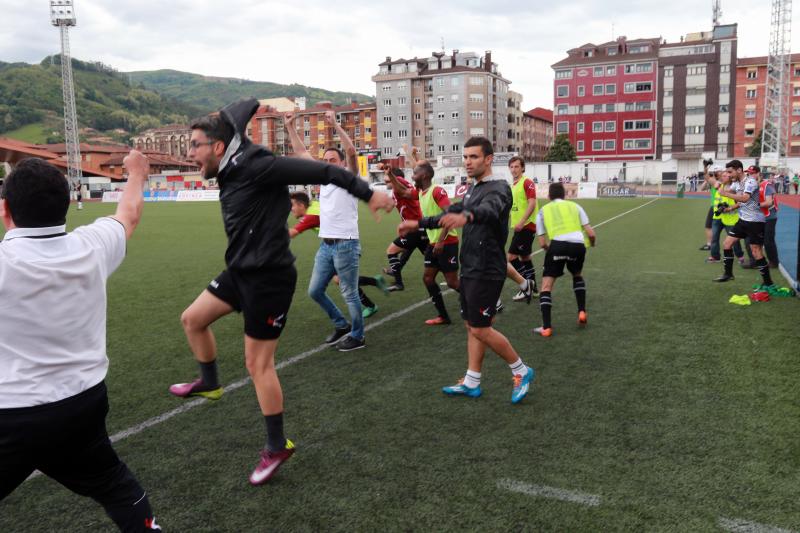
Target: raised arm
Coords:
[(347, 143), (400, 190), (298, 146), (129, 208)]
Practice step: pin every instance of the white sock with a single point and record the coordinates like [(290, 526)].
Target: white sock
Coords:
[(472, 379), (523, 285), (518, 368)]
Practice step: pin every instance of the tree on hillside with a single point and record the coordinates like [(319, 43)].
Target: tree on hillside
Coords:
[(561, 150), (755, 148)]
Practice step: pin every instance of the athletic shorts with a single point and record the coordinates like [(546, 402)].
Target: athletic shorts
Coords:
[(415, 239), (262, 296), (709, 217), (562, 253), (754, 231), (478, 299), (447, 261), (521, 243)]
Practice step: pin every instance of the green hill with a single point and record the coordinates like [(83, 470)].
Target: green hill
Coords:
[(211, 93), (106, 100)]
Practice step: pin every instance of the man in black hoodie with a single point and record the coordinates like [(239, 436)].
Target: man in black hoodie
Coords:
[(260, 277)]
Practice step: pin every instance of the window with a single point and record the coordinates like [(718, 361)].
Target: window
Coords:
[(456, 148), (750, 94), (476, 131), (387, 87), (597, 126), (667, 111), (440, 148), (667, 92), (749, 132), (611, 88), (580, 127), (695, 71), (638, 68), (417, 116), (753, 74), (611, 125), (631, 125), (580, 146), (642, 106), (562, 91), (796, 91), (696, 110), (639, 87), (667, 130), (725, 68), (306, 133), (476, 115), (610, 108), (723, 108), (417, 100), (454, 114), (722, 129), (668, 72), (638, 48), (475, 97), (612, 51), (387, 150), (564, 74), (440, 99), (402, 86), (750, 113), (597, 90), (795, 111), (597, 145), (387, 102), (598, 108), (562, 109), (454, 132), (402, 118), (562, 127), (455, 81), (610, 145), (387, 134), (797, 71), (695, 129), (417, 133), (402, 134), (598, 72), (581, 90), (476, 80), (440, 82), (440, 132), (695, 90), (636, 144), (387, 120), (439, 116), (454, 98), (402, 101), (611, 70)]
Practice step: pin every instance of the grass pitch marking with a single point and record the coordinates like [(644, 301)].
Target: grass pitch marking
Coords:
[(743, 526), (553, 493), (138, 428)]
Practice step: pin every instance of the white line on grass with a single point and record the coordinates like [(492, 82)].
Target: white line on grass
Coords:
[(138, 428), (552, 493), (658, 273), (743, 526)]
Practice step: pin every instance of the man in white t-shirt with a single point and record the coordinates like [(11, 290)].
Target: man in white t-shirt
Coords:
[(53, 398)]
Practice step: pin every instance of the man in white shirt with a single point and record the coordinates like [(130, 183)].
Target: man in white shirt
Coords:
[(53, 398)]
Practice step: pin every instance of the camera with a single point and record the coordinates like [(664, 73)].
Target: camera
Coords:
[(708, 162), (720, 210)]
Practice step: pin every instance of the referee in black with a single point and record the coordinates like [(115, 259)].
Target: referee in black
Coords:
[(53, 400)]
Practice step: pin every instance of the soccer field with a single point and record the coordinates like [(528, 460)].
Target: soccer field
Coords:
[(672, 411)]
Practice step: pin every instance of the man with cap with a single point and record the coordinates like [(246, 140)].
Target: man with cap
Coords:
[(769, 206)]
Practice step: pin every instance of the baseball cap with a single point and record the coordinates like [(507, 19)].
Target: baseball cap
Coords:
[(753, 169), (716, 168)]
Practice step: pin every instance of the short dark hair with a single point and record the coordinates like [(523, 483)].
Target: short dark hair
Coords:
[(483, 142), (37, 194), (517, 158), (215, 128), (556, 191), (398, 172), (427, 168), (337, 150), (734, 163), (300, 197)]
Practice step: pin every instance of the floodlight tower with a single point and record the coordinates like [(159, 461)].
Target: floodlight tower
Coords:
[(62, 15), (775, 133), (716, 6)]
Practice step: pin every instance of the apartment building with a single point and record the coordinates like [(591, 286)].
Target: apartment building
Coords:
[(537, 133), (438, 102), (515, 118)]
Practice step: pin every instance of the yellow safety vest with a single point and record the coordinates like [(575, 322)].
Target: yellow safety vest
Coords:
[(727, 219), (430, 209), (313, 209), (520, 204), (561, 218)]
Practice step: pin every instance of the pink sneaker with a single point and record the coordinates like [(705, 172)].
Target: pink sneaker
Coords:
[(184, 390), (270, 462)]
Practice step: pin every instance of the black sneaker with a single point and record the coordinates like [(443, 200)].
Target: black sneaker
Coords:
[(396, 287), (723, 278), (337, 335), (705, 247), (348, 344)]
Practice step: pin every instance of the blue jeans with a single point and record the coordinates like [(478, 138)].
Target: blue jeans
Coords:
[(716, 232), (338, 258)]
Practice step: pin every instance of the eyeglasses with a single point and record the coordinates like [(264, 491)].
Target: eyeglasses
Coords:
[(194, 145)]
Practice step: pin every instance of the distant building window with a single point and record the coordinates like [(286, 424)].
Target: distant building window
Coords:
[(611, 125), (610, 108), (639, 87), (580, 127), (723, 108), (562, 109), (580, 146), (750, 94), (387, 87), (476, 115), (638, 68), (750, 113), (387, 102), (581, 90), (475, 97), (598, 108), (563, 74), (476, 80), (439, 116), (633, 125), (611, 88), (610, 145), (402, 101), (562, 127), (796, 71), (598, 72), (724, 68), (611, 70), (612, 51), (638, 48), (668, 71), (597, 146), (597, 126), (476, 131), (562, 91), (749, 132), (454, 114), (597, 90), (454, 98), (753, 74), (695, 71), (636, 144)]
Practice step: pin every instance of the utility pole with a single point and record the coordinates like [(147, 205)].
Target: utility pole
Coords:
[(775, 133), (62, 15)]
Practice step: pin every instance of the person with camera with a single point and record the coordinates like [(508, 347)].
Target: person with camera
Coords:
[(751, 221), (725, 214)]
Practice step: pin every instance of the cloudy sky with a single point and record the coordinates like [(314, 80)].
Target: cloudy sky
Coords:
[(338, 45)]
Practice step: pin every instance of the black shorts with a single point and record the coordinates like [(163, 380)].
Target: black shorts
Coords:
[(478, 299), (709, 217), (521, 243), (561, 253), (447, 261), (262, 296), (753, 231), (415, 239)]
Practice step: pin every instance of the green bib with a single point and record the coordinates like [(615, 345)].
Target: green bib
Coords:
[(430, 209), (561, 218), (727, 219), (313, 209), (520, 204)]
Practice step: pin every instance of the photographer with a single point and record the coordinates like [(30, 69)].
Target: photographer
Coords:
[(725, 213)]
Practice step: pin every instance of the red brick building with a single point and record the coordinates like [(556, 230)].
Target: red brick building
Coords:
[(537, 133), (751, 77), (358, 120), (605, 99)]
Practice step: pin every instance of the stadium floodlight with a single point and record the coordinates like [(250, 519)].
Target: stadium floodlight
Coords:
[(62, 15)]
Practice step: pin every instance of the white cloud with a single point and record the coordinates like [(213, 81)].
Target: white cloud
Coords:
[(339, 45)]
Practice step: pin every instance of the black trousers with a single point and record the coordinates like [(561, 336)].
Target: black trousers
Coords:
[(67, 441), (770, 247)]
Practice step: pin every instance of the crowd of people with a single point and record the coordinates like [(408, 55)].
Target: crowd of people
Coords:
[(53, 399)]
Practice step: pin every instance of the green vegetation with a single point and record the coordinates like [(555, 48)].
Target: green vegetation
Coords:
[(211, 93), (561, 149), (755, 149), (106, 100), (673, 406)]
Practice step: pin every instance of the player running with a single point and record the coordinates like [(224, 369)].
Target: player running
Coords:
[(562, 223), (523, 224)]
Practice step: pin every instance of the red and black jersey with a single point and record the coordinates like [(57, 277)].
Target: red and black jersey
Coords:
[(408, 208)]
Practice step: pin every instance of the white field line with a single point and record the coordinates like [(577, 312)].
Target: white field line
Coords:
[(656, 272), (743, 526), (552, 493), (138, 428)]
